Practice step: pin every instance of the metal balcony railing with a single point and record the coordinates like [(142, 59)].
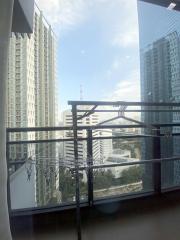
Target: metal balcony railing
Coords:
[(155, 168)]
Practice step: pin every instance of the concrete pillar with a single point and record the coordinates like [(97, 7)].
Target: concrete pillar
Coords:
[(6, 10)]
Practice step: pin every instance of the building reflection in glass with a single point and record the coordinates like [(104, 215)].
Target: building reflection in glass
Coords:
[(159, 31)]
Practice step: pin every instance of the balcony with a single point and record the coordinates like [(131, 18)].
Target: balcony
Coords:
[(152, 218), (96, 195)]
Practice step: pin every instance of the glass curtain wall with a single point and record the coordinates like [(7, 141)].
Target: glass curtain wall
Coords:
[(159, 31)]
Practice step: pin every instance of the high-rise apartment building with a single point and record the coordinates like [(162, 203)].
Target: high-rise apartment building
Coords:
[(156, 87), (32, 101), (82, 145), (45, 105), (21, 91), (160, 74), (106, 144), (101, 148)]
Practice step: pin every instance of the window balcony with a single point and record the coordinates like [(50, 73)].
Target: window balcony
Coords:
[(89, 188), (151, 218)]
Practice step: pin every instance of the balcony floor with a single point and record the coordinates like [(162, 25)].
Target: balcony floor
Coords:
[(145, 219)]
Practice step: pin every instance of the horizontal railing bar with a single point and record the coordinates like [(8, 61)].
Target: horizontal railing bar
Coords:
[(70, 128), (124, 196), (131, 111), (79, 139), (94, 138), (172, 134), (139, 162), (135, 136), (129, 126), (122, 164), (93, 127), (42, 209), (46, 129), (45, 141), (135, 163), (38, 129), (169, 189), (16, 162), (121, 137), (120, 103)]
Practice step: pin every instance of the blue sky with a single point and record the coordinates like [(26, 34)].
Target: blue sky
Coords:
[(97, 48)]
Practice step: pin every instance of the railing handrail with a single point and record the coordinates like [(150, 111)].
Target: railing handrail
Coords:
[(124, 103), (122, 164), (84, 127), (86, 139)]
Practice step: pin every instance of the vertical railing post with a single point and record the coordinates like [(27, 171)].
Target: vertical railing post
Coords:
[(76, 163), (8, 167), (157, 165), (89, 166)]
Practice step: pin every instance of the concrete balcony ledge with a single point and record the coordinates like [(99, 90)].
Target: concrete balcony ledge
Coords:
[(150, 218)]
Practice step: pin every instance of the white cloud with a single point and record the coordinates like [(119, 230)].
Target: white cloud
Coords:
[(63, 14), (127, 89), (119, 65), (128, 38), (126, 31)]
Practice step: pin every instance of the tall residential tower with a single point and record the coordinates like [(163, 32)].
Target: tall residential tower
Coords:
[(32, 101)]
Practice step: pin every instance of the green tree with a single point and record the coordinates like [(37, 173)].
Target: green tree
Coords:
[(132, 175), (103, 179), (67, 185)]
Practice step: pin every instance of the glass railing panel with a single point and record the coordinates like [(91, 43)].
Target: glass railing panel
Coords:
[(170, 170), (118, 149), (170, 174), (67, 185), (118, 181), (22, 175), (129, 148), (43, 175)]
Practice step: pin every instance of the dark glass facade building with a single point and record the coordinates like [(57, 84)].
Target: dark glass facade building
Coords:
[(160, 80)]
